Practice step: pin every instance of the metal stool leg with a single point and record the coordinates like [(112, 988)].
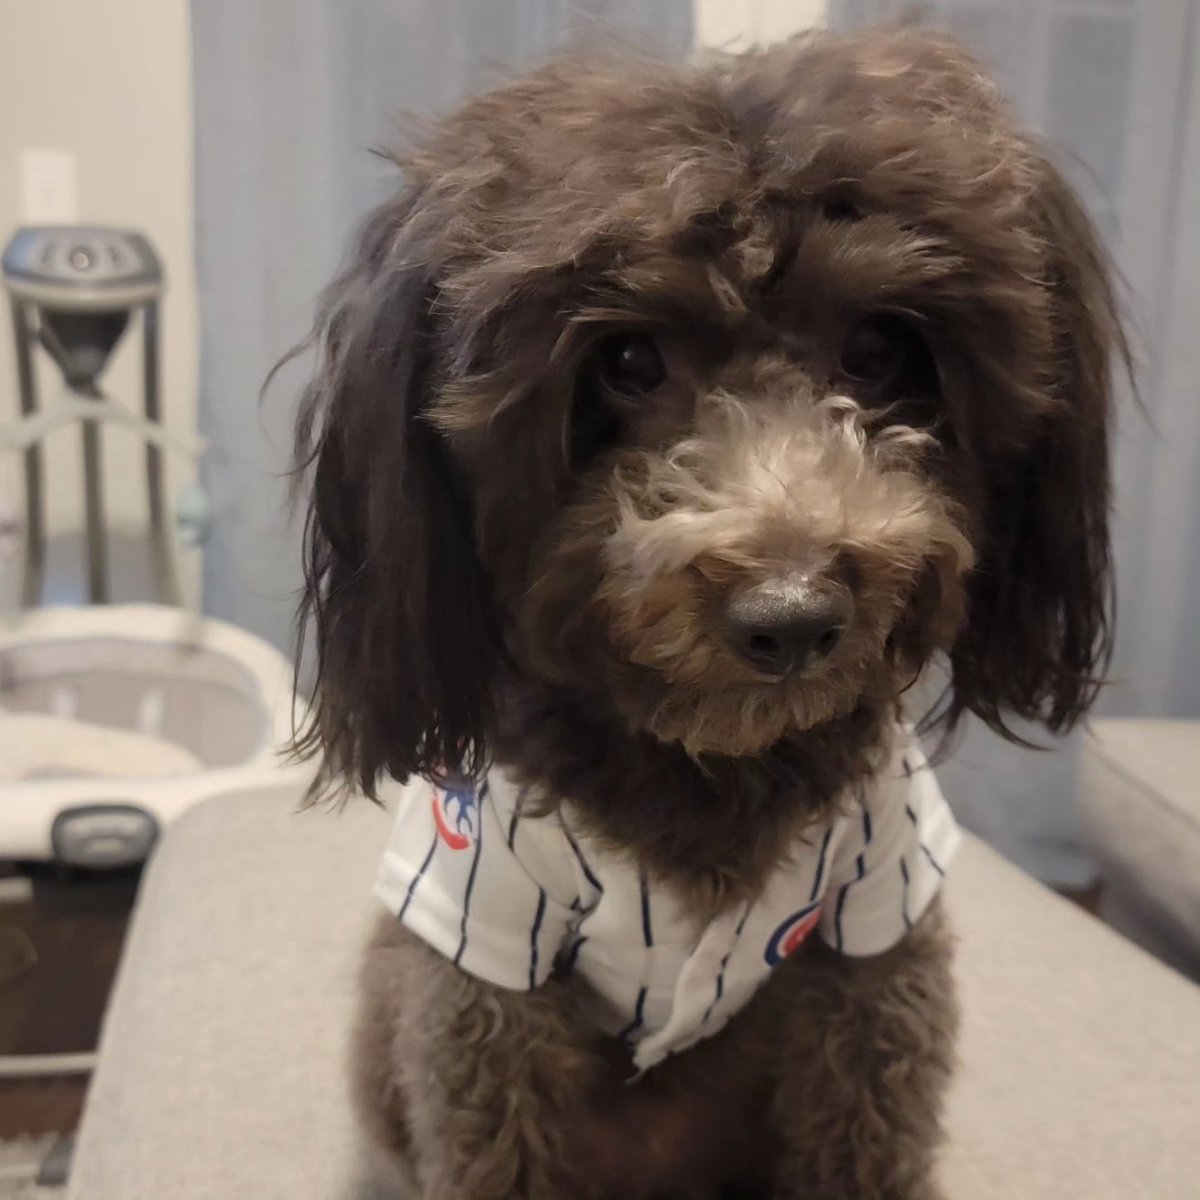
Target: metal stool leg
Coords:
[(93, 488), (159, 533), (35, 552)]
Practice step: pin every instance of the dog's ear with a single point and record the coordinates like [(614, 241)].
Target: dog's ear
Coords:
[(394, 597), (1040, 603)]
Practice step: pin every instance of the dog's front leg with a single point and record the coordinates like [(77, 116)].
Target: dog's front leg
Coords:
[(480, 1094), (869, 1052)]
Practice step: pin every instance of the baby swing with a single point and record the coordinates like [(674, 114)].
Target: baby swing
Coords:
[(114, 719)]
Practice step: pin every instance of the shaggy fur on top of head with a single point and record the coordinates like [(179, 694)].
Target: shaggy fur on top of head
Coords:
[(635, 349)]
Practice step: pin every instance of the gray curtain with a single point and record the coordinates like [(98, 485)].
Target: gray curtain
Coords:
[(290, 94), (1112, 85)]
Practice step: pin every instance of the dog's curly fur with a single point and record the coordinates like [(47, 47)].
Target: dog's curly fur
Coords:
[(869, 330)]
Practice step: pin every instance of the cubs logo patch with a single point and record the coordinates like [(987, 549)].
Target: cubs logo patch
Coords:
[(456, 814), (792, 933)]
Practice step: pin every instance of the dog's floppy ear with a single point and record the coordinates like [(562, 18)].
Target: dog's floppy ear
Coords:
[(1040, 606), (394, 597)]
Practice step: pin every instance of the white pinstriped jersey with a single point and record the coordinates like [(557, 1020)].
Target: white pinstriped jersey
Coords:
[(510, 897)]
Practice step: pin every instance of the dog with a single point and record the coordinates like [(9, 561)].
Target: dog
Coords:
[(668, 425)]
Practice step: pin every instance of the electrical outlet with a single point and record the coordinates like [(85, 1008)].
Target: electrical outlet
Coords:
[(49, 191)]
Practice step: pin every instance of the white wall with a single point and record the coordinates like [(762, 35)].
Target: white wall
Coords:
[(108, 81), (735, 24)]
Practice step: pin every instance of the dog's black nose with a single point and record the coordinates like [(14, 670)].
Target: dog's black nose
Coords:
[(788, 624)]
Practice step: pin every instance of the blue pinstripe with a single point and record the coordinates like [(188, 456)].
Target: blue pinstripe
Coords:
[(844, 891), (820, 875), (737, 933), (638, 1015), (462, 945), (583, 863), (412, 887), (933, 862), (533, 937)]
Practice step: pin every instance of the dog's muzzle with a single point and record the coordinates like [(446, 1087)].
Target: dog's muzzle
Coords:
[(788, 625)]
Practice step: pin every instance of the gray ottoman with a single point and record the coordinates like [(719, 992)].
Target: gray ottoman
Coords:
[(1140, 808), (222, 1077)]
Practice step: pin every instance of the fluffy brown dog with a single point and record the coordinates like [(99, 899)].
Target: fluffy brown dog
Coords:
[(668, 423)]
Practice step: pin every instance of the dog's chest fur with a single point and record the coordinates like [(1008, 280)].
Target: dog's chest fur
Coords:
[(711, 831)]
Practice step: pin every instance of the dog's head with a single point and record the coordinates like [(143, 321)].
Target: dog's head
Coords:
[(721, 398)]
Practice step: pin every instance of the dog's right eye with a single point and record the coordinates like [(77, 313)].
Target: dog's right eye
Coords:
[(629, 364), (622, 367), (878, 350)]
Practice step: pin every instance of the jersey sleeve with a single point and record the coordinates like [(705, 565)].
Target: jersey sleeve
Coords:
[(482, 885), (895, 845)]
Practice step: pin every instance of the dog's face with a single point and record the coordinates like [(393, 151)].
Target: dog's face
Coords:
[(722, 399), (746, 523)]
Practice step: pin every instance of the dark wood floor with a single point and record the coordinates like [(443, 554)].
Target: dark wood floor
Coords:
[(1088, 898), (58, 954)]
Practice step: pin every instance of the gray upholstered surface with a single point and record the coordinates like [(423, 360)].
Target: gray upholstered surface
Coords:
[(221, 1073), (221, 1062), (1080, 1075), (1140, 811)]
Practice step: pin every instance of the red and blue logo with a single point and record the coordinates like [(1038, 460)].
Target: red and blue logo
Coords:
[(793, 933), (456, 814)]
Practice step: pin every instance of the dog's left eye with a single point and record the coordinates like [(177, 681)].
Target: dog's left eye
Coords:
[(621, 367), (880, 351), (629, 364)]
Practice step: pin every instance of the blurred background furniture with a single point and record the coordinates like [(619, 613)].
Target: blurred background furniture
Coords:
[(73, 291), (115, 718), (222, 1061), (1140, 807)]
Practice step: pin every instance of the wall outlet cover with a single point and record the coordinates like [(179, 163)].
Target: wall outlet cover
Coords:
[(49, 187)]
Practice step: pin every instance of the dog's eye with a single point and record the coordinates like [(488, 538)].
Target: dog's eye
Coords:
[(838, 208), (621, 367), (880, 350), (629, 363)]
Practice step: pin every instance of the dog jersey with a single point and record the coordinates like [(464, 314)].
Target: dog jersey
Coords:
[(511, 898)]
